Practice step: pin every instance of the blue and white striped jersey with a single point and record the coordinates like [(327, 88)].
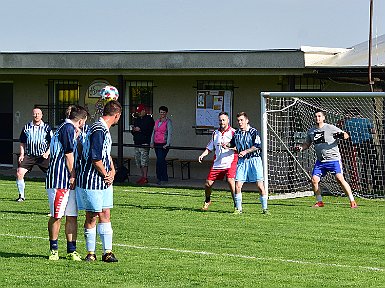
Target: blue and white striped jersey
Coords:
[(36, 138), (97, 146), (79, 147), (243, 140), (63, 142)]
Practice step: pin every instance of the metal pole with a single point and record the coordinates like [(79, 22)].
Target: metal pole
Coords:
[(370, 46), (264, 143)]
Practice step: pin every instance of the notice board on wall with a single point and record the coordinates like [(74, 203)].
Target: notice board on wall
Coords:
[(209, 103)]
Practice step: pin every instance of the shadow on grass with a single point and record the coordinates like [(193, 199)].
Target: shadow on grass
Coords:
[(20, 255), (25, 212), (172, 208), (168, 193)]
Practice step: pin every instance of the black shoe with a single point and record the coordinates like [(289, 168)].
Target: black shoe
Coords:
[(20, 199), (90, 257), (109, 257)]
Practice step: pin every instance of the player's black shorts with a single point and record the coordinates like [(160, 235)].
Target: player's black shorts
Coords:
[(30, 161)]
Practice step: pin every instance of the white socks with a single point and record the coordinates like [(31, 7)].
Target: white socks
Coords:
[(105, 233), (90, 235), (20, 187)]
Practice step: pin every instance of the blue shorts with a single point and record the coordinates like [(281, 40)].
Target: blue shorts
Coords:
[(249, 170), (94, 200), (321, 168)]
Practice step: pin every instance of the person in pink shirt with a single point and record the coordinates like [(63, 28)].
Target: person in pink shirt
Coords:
[(160, 141)]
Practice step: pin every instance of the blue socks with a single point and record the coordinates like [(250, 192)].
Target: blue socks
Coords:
[(71, 246), (53, 245)]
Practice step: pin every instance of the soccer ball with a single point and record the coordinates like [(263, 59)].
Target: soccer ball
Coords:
[(109, 93)]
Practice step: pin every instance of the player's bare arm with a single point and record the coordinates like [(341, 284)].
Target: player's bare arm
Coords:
[(204, 154), (250, 150), (46, 154), (302, 147), (70, 165), (22, 151)]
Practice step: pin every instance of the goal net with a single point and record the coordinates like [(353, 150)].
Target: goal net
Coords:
[(286, 118)]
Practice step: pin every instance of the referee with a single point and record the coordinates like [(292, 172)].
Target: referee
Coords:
[(34, 139)]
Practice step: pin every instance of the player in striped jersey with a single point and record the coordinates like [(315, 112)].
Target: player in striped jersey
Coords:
[(225, 161), (94, 190), (60, 182), (247, 143), (34, 149)]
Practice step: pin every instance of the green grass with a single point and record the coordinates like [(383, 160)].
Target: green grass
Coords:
[(162, 239)]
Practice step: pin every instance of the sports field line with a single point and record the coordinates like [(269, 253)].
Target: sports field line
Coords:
[(205, 253)]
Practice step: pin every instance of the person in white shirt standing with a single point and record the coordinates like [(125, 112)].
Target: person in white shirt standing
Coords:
[(225, 160)]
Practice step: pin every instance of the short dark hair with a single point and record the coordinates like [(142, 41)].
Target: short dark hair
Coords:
[(223, 113), (320, 111), (111, 108), (163, 108), (242, 114), (76, 112)]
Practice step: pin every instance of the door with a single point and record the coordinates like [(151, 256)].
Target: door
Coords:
[(6, 120)]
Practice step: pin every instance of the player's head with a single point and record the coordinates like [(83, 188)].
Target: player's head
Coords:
[(77, 114), (223, 120), (37, 115), (319, 116), (113, 109), (243, 120), (68, 111)]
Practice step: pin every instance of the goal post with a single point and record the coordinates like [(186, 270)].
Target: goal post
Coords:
[(287, 116)]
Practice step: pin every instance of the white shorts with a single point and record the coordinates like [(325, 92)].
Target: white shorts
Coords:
[(62, 202)]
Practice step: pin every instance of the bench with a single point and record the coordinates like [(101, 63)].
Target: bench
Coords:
[(170, 163), (185, 165), (126, 163)]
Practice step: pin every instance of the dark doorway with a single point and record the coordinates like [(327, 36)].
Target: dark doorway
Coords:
[(6, 120)]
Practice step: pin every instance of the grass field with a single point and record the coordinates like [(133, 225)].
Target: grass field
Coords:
[(162, 239)]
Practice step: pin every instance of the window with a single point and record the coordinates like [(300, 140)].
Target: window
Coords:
[(300, 83), (61, 94), (138, 92)]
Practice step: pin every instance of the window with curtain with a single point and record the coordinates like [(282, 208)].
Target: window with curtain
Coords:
[(62, 93)]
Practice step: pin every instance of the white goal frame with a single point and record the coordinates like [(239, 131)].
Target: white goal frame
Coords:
[(264, 118)]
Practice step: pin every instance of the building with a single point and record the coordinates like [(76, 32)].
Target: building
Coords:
[(194, 85)]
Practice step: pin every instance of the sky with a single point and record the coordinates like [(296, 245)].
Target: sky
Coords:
[(173, 25)]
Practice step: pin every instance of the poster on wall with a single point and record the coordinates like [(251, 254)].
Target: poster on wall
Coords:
[(208, 105), (92, 99)]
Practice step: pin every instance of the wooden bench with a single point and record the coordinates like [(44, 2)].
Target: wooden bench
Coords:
[(126, 163), (170, 163), (185, 165)]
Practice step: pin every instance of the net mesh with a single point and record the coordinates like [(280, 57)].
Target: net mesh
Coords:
[(363, 154)]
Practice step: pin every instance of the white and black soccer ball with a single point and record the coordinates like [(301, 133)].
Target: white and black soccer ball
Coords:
[(109, 93)]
